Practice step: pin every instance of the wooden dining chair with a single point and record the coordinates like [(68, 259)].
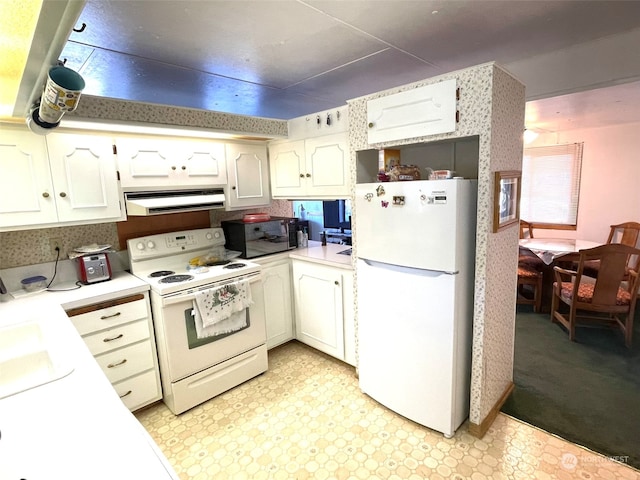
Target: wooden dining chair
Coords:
[(529, 279), (526, 229), (626, 233), (608, 299)]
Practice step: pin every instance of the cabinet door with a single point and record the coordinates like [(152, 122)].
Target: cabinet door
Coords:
[(318, 307), (288, 171), (276, 280), (26, 191), (327, 164), (145, 162), (349, 318), (153, 163), (427, 110), (84, 176), (248, 184), (202, 164)]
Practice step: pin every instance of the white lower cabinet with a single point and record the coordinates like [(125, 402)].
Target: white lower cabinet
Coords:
[(119, 334), (323, 297), (276, 279)]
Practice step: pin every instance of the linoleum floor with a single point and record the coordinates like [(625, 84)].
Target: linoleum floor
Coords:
[(306, 418)]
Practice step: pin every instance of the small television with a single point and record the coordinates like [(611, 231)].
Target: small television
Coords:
[(337, 214)]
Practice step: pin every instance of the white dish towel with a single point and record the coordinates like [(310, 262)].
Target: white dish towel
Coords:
[(222, 309)]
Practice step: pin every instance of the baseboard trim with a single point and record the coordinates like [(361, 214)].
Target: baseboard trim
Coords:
[(478, 430)]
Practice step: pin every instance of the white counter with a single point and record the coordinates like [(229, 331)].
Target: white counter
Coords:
[(76, 427), (327, 254)]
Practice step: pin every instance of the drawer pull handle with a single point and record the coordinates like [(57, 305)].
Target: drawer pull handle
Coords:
[(105, 317), (129, 392), (117, 364), (113, 338)]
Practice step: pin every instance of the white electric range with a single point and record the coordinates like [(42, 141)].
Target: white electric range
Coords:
[(194, 369)]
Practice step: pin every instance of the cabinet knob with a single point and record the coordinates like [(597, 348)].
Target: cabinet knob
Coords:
[(336, 282), (233, 188), (371, 124), (184, 167), (45, 195), (62, 194), (173, 167), (308, 175), (302, 175)]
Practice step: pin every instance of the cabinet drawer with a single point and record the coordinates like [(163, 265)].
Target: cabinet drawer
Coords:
[(109, 314), (117, 337), (126, 362), (140, 390)]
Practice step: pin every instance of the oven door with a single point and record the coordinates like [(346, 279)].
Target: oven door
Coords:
[(182, 353)]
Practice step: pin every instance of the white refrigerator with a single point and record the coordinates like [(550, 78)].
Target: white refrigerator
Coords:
[(415, 243)]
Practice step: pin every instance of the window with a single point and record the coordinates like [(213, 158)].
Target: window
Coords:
[(551, 184)]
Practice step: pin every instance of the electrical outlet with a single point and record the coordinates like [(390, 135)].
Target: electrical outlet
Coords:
[(55, 242)]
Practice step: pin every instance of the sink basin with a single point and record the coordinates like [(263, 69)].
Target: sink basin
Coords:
[(28, 358)]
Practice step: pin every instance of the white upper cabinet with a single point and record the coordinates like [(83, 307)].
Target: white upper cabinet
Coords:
[(26, 188), (248, 184), (287, 164), (422, 111), (84, 176), (159, 163), (312, 168), (327, 163), (62, 178)]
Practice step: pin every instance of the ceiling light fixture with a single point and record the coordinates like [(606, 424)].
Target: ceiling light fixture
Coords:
[(18, 20)]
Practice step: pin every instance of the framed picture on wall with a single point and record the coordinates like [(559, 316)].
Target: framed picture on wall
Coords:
[(506, 199)]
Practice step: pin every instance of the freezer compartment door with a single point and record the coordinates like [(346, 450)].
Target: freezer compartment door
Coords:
[(414, 344), (422, 224)]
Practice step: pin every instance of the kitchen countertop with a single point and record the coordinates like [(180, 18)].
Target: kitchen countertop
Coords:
[(325, 254), (75, 427)]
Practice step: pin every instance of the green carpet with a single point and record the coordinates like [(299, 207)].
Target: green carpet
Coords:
[(587, 392)]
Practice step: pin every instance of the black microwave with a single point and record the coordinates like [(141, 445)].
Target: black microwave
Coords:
[(257, 239)]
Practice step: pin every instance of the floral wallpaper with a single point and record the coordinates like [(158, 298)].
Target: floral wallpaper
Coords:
[(30, 247), (98, 108)]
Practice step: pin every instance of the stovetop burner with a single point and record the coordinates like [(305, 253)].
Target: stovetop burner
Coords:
[(176, 278), (235, 265), (161, 273)]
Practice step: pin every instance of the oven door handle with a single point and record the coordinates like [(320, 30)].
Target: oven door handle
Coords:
[(190, 295)]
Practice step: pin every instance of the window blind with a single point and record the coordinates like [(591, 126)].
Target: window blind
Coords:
[(551, 184)]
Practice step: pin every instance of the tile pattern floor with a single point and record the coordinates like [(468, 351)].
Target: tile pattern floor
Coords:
[(307, 419)]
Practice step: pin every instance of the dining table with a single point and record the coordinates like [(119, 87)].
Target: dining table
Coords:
[(554, 252)]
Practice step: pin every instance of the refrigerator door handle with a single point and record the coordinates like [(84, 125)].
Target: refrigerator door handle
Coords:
[(400, 268)]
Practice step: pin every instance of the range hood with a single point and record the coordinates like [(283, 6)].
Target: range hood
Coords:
[(173, 201)]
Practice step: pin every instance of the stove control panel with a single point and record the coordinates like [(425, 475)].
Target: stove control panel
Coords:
[(167, 244), (180, 240)]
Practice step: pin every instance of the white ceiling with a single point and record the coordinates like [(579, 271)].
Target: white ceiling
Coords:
[(288, 58)]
